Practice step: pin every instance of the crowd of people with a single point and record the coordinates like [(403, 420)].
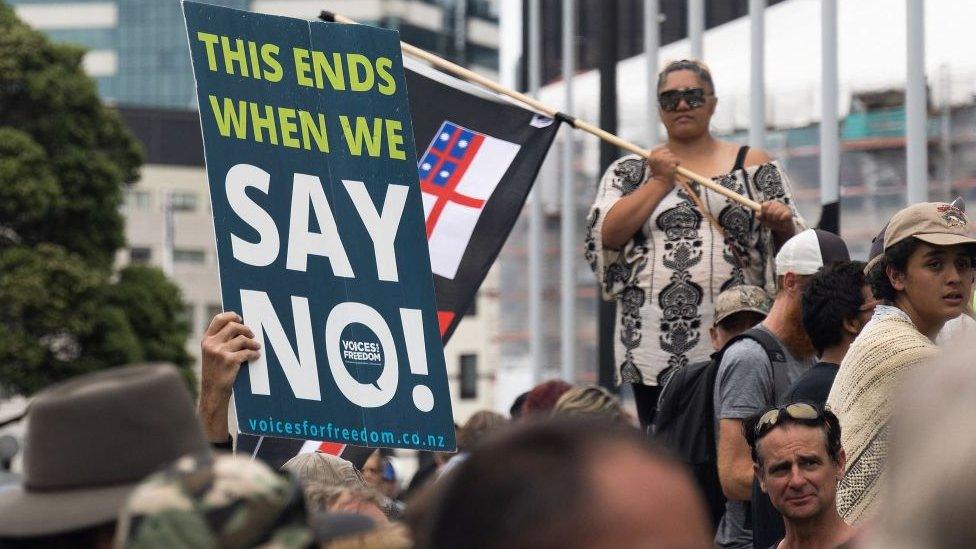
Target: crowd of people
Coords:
[(825, 407)]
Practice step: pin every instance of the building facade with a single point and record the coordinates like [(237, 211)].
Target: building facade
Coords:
[(138, 52)]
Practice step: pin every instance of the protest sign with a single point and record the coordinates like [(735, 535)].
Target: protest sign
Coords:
[(320, 229)]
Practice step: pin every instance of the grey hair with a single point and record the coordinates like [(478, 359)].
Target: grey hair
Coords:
[(697, 67)]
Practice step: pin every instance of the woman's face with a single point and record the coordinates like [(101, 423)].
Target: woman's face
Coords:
[(686, 122), (937, 283)]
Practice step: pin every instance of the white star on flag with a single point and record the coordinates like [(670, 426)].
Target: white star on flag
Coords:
[(445, 173), (463, 143), (445, 136), (425, 165)]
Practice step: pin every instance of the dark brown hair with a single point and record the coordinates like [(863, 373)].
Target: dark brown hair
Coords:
[(827, 422), (696, 67)]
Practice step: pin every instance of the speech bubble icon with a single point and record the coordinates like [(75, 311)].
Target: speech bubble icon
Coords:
[(357, 379), (363, 354)]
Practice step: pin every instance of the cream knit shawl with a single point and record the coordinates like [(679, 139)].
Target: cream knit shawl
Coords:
[(887, 348)]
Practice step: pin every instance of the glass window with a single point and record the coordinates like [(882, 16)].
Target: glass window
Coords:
[(136, 200), (469, 376), (184, 202), (140, 256), (189, 256)]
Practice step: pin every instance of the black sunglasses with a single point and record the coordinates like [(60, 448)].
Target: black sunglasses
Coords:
[(693, 97), (797, 410)]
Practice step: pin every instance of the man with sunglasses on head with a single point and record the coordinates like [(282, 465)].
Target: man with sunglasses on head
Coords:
[(663, 255), (798, 458)]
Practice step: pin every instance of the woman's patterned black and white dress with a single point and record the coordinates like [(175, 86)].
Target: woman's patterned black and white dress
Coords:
[(666, 278)]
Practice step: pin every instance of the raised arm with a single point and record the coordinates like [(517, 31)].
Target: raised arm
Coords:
[(226, 345)]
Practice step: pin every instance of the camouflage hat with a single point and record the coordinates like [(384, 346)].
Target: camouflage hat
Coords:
[(224, 501), (741, 299)]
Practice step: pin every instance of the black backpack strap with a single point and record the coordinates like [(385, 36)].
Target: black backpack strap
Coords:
[(711, 376), (775, 354), (740, 158)]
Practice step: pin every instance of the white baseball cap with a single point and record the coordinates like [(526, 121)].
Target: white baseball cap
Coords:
[(808, 251)]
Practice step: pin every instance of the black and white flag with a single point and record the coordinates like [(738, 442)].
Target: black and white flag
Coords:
[(478, 155)]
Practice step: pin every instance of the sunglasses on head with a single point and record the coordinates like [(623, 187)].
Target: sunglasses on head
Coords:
[(797, 410), (693, 97)]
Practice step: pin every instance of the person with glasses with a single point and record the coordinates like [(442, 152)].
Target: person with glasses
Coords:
[(837, 304), (663, 255), (798, 458), (923, 279)]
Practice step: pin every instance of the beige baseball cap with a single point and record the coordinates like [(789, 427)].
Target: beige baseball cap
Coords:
[(936, 223), (742, 299)]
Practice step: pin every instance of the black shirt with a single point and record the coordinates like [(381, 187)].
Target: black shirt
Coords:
[(814, 385)]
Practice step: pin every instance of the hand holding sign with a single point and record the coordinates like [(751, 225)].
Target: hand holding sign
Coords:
[(226, 345)]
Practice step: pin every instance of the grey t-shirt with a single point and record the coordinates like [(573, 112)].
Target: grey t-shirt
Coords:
[(744, 386)]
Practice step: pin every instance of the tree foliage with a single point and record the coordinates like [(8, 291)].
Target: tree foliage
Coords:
[(65, 160)]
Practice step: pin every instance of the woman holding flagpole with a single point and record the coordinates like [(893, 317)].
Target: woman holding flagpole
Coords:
[(664, 254)]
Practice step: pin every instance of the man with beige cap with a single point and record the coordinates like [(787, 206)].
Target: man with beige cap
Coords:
[(923, 279)]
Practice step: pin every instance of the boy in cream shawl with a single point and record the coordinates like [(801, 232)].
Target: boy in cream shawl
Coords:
[(924, 279)]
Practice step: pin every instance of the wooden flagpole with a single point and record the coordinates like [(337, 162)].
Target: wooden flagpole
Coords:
[(541, 107)]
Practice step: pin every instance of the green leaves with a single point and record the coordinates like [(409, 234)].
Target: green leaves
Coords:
[(29, 192), (64, 161), (48, 299), (152, 305)]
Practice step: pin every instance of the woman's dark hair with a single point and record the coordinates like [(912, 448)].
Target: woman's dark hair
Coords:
[(897, 257), (828, 422), (696, 67), (831, 296)]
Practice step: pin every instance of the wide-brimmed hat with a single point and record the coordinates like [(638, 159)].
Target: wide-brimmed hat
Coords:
[(90, 439)]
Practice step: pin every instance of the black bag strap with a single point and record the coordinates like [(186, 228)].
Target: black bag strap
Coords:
[(711, 375), (775, 354), (740, 158)]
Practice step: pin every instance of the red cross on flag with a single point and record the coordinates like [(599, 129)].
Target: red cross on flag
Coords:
[(458, 172)]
